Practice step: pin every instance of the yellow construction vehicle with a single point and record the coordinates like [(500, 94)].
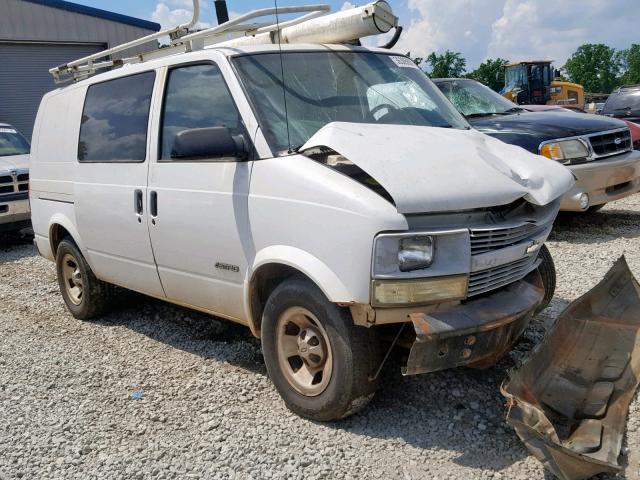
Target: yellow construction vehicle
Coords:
[(537, 83)]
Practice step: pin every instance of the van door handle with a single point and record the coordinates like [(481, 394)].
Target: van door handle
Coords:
[(138, 204), (153, 206)]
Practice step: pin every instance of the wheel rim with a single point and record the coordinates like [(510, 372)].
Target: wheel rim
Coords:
[(72, 277), (304, 351)]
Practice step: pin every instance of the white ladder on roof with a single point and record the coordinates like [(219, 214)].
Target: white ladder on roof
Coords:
[(311, 27)]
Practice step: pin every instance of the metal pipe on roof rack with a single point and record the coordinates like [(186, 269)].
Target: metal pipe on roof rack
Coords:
[(340, 27), (194, 18), (248, 16)]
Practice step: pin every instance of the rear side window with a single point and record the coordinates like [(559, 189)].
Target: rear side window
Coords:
[(115, 120), (196, 97)]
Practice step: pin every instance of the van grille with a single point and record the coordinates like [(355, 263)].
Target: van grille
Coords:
[(10, 184), (491, 238), (610, 143), (486, 280)]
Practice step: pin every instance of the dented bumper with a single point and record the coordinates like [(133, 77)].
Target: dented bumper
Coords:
[(568, 402), (477, 333)]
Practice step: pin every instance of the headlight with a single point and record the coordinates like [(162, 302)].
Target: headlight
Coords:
[(565, 150), (415, 253)]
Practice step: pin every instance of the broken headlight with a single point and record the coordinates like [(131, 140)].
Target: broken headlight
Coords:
[(564, 150)]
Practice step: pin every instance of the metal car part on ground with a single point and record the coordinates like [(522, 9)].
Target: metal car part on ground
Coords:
[(568, 401)]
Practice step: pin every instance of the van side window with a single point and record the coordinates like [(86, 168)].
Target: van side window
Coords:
[(115, 120), (196, 97)]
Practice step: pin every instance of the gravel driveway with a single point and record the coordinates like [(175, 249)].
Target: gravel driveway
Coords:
[(208, 410)]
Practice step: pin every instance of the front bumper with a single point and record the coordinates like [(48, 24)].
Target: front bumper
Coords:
[(477, 333), (14, 213), (603, 181)]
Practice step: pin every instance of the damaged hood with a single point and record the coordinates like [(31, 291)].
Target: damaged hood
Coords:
[(430, 169)]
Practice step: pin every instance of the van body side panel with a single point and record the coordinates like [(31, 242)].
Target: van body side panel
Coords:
[(53, 164), (296, 202)]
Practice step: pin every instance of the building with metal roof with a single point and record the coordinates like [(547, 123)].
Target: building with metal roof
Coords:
[(36, 35)]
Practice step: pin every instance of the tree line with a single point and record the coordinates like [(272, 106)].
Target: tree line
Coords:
[(596, 66)]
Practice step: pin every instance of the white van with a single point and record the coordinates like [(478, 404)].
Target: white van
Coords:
[(325, 212)]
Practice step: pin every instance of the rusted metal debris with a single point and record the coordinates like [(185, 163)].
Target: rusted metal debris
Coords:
[(568, 401)]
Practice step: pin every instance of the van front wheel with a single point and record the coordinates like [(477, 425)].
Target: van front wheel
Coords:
[(86, 297), (319, 361), (547, 270)]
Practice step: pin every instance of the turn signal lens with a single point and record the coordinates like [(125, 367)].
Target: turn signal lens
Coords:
[(387, 293)]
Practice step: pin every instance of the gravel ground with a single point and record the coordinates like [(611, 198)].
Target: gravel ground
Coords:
[(207, 409)]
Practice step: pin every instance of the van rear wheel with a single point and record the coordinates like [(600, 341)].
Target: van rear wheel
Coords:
[(86, 297), (319, 361)]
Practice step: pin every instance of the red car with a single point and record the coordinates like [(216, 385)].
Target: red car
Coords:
[(634, 127)]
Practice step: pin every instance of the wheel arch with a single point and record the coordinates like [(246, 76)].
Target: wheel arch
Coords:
[(59, 227), (274, 265)]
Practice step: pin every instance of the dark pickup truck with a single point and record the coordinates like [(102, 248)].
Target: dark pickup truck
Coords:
[(597, 149)]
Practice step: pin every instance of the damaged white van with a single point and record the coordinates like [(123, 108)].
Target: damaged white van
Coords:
[(326, 196)]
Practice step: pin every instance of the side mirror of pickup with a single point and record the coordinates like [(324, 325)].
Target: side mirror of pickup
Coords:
[(208, 143)]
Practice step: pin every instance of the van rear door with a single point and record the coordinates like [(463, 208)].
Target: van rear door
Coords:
[(111, 182)]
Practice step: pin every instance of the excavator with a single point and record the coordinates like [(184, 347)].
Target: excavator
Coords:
[(537, 83)]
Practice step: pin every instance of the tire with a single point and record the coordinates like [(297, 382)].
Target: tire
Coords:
[(351, 353), (547, 271), (86, 297)]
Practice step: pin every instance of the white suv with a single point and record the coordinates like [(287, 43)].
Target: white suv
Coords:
[(326, 212)]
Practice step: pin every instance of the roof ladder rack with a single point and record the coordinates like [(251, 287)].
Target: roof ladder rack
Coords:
[(341, 27)]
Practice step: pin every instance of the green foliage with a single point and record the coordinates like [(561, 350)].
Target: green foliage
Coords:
[(631, 65), (491, 73), (595, 66), (449, 64)]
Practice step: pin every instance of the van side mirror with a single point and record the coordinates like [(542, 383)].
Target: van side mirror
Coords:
[(206, 143)]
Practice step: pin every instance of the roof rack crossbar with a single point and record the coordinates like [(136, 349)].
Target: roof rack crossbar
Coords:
[(70, 67)]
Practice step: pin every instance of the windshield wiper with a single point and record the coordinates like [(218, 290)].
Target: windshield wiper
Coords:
[(488, 114), (481, 114)]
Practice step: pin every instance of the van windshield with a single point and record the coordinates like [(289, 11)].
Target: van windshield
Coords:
[(12, 143), (324, 87)]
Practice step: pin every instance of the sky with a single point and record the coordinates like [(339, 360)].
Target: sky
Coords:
[(479, 29)]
